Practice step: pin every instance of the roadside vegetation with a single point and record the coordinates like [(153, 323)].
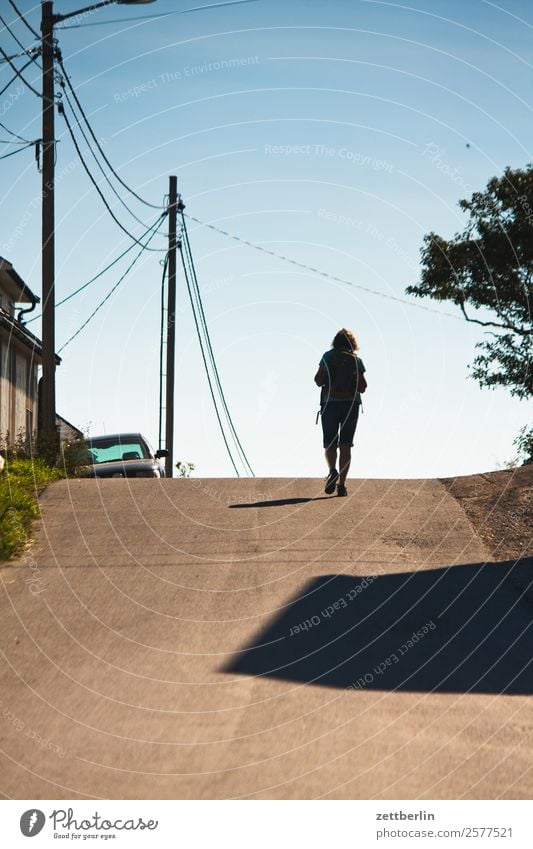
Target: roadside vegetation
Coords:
[(20, 483), (22, 478)]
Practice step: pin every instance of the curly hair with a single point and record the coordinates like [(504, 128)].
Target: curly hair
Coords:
[(345, 339)]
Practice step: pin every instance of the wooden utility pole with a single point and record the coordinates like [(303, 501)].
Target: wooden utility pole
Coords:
[(47, 424), (171, 324)]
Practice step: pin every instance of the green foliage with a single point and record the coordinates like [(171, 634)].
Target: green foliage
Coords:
[(74, 456), (488, 269), (184, 468), (524, 445), (20, 483)]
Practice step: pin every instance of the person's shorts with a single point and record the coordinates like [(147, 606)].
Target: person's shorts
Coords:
[(339, 420)]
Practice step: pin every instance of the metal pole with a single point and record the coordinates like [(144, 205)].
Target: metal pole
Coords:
[(48, 435), (171, 325)]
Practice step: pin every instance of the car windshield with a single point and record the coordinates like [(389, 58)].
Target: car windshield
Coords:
[(116, 449)]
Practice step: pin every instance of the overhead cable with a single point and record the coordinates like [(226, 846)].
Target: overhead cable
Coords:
[(321, 273), (113, 289), (62, 111), (12, 80), (102, 170), (19, 42), (101, 272), (23, 19), (198, 333), (95, 139), (18, 150), (15, 135), (32, 51), (157, 15), (203, 322), (19, 74)]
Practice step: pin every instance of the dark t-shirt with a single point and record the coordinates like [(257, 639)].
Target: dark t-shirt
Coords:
[(328, 394)]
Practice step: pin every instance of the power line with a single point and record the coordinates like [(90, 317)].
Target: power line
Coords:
[(10, 141), (62, 112), (318, 271), (19, 74), (32, 51), (101, 272), (155, 16), (15, 135), (200, 308), (24, 21), (12, 80), (98, 145), (105, 176), (113, 289), (224, 437), (19, 42), (18, 150)]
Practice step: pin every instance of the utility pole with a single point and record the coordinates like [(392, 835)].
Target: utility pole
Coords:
[(171, 324), (47, 425), (48, 435)]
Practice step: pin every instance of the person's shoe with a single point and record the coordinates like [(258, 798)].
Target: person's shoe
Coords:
[(331, 482), (341, 490)]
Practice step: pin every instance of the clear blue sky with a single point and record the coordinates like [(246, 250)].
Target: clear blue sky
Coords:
[(335, 133)]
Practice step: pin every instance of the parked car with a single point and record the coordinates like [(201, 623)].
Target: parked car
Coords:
[(123, 455)]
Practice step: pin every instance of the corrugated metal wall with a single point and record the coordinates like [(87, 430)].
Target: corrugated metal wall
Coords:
[(18, 383)]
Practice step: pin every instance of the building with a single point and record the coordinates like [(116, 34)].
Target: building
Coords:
[(20, 359)]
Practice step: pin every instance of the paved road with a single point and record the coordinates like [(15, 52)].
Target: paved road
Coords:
[(254, 638)]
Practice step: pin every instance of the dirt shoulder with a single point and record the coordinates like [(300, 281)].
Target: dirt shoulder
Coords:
[(500, 507)]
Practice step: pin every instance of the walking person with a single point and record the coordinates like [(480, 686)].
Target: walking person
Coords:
[(341, 378)]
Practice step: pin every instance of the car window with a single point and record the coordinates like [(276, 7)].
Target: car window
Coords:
[(109, 450)]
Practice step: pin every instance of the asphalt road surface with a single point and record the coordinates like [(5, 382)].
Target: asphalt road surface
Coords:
[(258, 639)]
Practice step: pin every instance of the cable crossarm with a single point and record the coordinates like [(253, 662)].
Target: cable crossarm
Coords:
[(95, 139), (185, 271), (318, 271), (111, 291), (62, 112), (200, 309)]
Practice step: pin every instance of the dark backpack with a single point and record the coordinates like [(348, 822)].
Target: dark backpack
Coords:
[(344, 377)]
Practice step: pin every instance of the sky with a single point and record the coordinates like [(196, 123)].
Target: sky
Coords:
[(336, 134)]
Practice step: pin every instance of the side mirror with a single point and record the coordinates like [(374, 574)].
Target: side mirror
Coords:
[(162, 452)]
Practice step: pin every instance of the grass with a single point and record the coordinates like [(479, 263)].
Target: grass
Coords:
[(20, 483)]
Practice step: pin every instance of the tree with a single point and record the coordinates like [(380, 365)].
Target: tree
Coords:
[(487, 272)]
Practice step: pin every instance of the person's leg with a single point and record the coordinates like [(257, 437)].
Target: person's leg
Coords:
[(347, 432), (330, 428), (331, 457), (345, 456), (330, 431)]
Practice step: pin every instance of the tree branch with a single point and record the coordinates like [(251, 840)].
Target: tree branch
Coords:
[(520, 331)]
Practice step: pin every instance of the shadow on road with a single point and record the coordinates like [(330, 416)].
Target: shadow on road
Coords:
[(460, 629), (281, 502)]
